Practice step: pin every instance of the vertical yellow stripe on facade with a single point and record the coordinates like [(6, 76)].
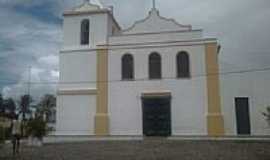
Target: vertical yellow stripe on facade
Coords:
[(101, 117), (215, 122)]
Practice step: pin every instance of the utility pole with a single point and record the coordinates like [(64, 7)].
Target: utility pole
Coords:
[(29, 86), (29, 80)]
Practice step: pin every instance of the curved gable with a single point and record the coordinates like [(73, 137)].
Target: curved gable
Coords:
[(84, 8), (87, 7), (154, 23)]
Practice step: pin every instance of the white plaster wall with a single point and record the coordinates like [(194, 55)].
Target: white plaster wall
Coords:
[(251, 85), (98, 29), (75, 114), (78, 70), (189, 99), (160, 37), (113, 28)]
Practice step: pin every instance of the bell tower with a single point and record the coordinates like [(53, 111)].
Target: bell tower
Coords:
[(88, 25), (80, 62)]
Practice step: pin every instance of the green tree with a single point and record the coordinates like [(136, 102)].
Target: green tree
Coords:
[(47, 105), (267, 114), (2, 109), (37, 127), (25, 105)]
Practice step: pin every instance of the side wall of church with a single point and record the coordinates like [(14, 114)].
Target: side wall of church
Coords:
[(252, 86)]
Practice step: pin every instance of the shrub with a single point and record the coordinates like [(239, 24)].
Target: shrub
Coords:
[(2, 134), (36, 128), (8, 133), (267, 114)]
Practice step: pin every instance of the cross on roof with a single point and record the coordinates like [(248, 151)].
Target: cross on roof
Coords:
[(154, 4)]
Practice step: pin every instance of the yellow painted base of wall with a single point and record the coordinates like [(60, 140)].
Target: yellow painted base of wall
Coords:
[(102, 124), (215, 125)]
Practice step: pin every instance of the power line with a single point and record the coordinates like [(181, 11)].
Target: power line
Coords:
[(142, 79)]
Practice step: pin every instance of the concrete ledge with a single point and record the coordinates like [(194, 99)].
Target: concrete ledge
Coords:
[(223, 138), (87, 91), (69, 139)]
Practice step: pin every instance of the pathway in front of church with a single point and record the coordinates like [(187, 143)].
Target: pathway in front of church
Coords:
[(145, 150)]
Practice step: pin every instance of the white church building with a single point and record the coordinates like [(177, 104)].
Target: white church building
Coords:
[(156, 78)]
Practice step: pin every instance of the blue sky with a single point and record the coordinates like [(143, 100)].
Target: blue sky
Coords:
[(31, 34), (40, 12)]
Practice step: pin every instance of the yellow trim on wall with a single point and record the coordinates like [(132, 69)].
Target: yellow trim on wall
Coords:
[(102, 117), (215, 121)]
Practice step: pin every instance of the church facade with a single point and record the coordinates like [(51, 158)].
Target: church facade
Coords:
[(156, 78)]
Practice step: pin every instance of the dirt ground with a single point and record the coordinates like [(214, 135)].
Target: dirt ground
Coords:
[(158, 149)]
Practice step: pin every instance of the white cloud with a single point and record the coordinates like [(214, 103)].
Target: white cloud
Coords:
[(50, 60), (55, 74), (41, 83), (241, 27), (6, 92)]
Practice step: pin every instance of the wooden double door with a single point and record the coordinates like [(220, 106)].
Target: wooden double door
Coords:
[(157, 116)]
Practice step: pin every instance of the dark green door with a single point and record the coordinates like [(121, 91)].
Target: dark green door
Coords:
[(242, 116), (156, 117)]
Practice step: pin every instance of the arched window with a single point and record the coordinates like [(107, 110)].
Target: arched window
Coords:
[(154, 66), (85, 32), (182, 61), (127, 67)]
